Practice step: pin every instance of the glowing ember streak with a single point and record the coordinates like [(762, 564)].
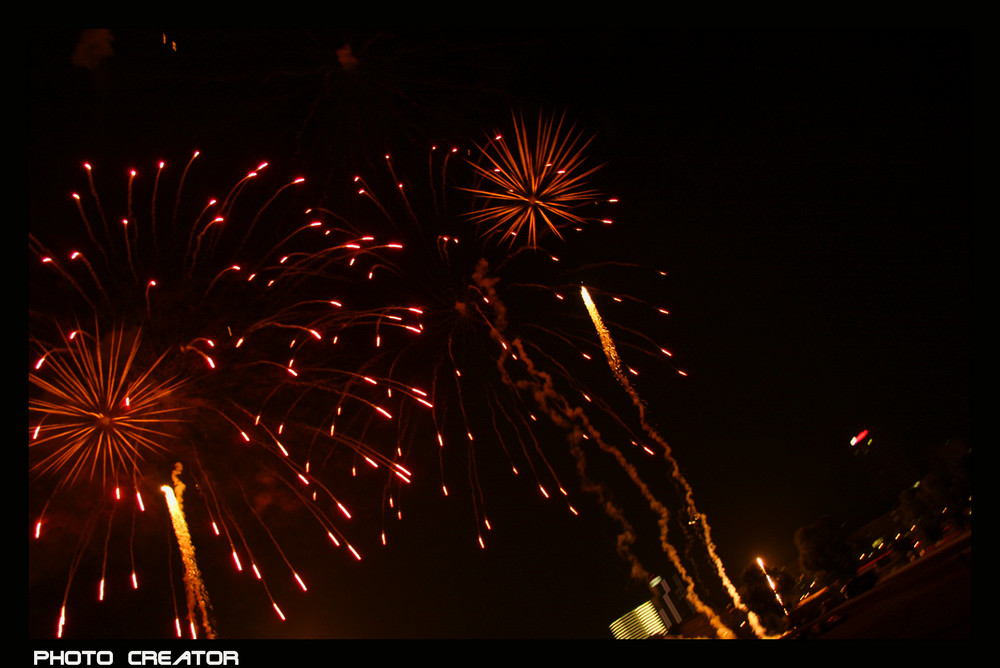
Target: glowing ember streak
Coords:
[(299, 580), (770, 583), (606, 343), (197, 595)]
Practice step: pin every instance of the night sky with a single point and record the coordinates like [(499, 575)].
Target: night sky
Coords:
[(808, 194)]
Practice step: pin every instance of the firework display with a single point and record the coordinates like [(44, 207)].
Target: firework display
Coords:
[(535, 187), (226, 340), (208, 341), (434, 391), (502, 342)]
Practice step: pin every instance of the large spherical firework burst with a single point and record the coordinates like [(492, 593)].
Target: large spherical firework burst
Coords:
[(206, 338)]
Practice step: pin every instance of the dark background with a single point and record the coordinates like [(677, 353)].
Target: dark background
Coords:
[(809, 194)]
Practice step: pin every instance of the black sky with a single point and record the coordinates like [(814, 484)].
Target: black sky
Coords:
[(808, 193)]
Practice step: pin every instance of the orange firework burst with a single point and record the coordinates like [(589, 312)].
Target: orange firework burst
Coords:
[(536, 186), (97, 410)]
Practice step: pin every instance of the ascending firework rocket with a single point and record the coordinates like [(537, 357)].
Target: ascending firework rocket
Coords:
[(197, 595)]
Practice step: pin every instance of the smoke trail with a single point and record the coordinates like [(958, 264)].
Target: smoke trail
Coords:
[(197, 595), (562, 414), (626, 538), (574, 420), (616, 368)]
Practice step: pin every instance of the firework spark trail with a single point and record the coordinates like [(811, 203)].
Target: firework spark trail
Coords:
[(77, 556), (616, 367), (197, 594), (609, 348), (772, 585)]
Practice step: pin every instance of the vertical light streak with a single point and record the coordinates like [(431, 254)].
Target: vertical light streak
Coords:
[(197, 595), (770, 583)]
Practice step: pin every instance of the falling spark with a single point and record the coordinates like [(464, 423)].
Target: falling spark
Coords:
[(770, 583)]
